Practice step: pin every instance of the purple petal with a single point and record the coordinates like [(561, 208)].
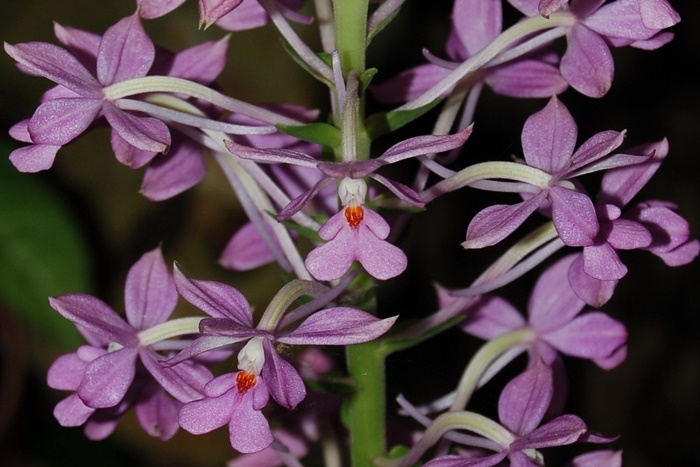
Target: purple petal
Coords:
[(107, 378), (381, 259), (547, 7), (620, 19), (574, 216), (592, 336), (408, 84), (202, 63), (658, 14), (477, 23), (158, 414), (96, 316), (147, 133), (628, 235), (459, 461), (526, 398), (59, 121), (282, 379), (602, 262), (553, 303), (596, 147), (549, 137), (185, 382), (210, 11), (71, 411), (248, 15), (170, 174), (269, 456), (527, 78), (57, 64), (490, 317), (127, 154), (249, 430), (587, 63), (215, 299), (149, 293), (204, 415), (199, 346), (613, 360), (246, 250), (603, 458), (337, 326), (593, 291), (271, 155), (302, 200), (332, 260), (125, 52), (527, 7), (149, 9), (427, 144), (493, 224), (681, 255), (561, 431), (66, 372), (34, 158)]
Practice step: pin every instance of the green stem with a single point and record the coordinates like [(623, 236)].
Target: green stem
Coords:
[(367, 405), (351, 33)]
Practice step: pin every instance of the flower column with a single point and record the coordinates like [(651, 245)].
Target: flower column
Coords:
[(367, 405)]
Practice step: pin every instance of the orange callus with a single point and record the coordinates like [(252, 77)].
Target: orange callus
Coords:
[(245, 381), (354, 215)]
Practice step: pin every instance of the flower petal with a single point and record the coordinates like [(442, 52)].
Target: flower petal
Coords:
[(587, 63), (146, 133), (282, 379), (593, 336), (553, 303), (249, 430), (34, 158), (107, 378), (157, 414), (149, 293), (493, 224), (185, 382), (170, 174), (125, 52), (490, 317), (337, 326), (525, 399), (59, 121), (574, 216), (549, 137)]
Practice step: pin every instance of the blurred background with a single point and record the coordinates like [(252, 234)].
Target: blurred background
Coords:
[(80, 226)]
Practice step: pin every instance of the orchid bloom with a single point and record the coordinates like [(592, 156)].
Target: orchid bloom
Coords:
[(236, 399), (120, 367)]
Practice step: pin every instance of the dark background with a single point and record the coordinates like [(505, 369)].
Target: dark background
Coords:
[(651, 400)]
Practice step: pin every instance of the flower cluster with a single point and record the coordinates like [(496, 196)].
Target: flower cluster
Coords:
[(331, 213)]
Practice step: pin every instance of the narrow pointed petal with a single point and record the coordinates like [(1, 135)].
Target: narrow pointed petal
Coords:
[(553, 303), (34, 158), (549, 137), (185, 382), (561, 431), (149, 9), (594, 292), (491, 317), (574, 216), (170, 174), (493, 224), (157, 414), (298, 203), (107, 378), (592, 336), (282, 379), (149, 293), (401, 191), (459, 461), (211, 11), (596, 147), (82, 44), (271, 155), (96, 316), (57, 64), (525, 399), (147, 133), (202, 63), (125, 52), (427, 144), (337, 326), (587, 63), (215, 299), (59, 121), (199, 346)]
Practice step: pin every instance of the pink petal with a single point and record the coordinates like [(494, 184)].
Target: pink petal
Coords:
[(409, 84), (246, 250), (71, 411), (527, 78), (59, 121), (574, 216), (34, 158), (201, 63), (149, 293), (147, 133), (158, 414), (205, 415), (170, 174), (125, 52), (490, 317), (150, 9), (553, 303), (592, 336), (493, 224), (477, 23), (594, 292), (337, 326), (525, 399), (249, 430), (587, 63), (107, 378), (549, 137), (381, 259), (282, 379), (210, 11), (127, 154)]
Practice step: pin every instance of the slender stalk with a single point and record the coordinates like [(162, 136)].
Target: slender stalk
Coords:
[(351, 33)]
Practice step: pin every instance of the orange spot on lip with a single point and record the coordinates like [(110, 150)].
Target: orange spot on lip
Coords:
[(245, 381), (354, 215)]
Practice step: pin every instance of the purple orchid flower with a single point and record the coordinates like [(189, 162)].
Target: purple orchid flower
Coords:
[(601, 458), (653, 226), (120, 367), (556, 320), (521, 408), (475, 25), (237, 399), (123, 53), (549, 139), (587, 65)]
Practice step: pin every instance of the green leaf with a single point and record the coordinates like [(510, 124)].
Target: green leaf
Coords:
[(366, 78), (320, 133), (41, 253), (385, 122)]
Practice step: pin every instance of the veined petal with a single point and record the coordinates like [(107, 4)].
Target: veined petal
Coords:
[(248, 15), (601, 261), (593, 291), (246, 250), (157, 414), (587, 63), (401, 191), (302, 200), (527, 78), (525, 399), (574, 216), (82, 44), (477, 23), (271, 155), (185, 382), (596, 147), (249, 430), (170, 174), (553, 303), (107, 378), (658, 14), (66, 372), (282, 379), (210, 11), (57, 64), (332, 260), (201, 63), (337, 326), (147, 133), (127, 154), (622, 18), (629, 235), (199, 346), (150, 9), (549, 137), (409, 84), (125, 52), (381, 259), (207, 414), (426, 144), (34, 158), (214, 298), (592, 336), (493, 224), (96, 316), (59, 121), (149, 293), (490, 317), (72, 411), (563, 430)]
